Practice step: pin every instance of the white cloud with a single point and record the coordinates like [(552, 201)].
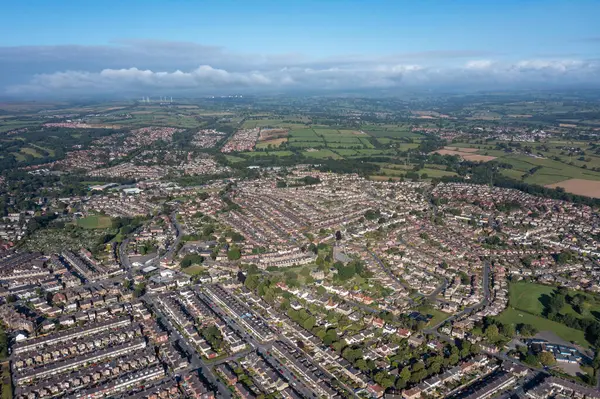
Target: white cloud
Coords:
[(296, 72), (479, 64)]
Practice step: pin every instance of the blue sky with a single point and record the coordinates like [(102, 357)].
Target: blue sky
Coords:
[(258, 45)]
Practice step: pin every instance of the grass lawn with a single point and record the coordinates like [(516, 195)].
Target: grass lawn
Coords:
[(435, 172), (438, 315), (234, 159), (514, 316), (31, 151), (193, 270), (321, 154), (95, 222), (529, 297), (6, 385)]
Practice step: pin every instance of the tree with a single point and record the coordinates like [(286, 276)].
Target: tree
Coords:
[(309, 323), (556, 303), (547, 359), (418, 366), (508, 330), (3, 344), (531, 359), (400, 383), (453, 359), (361, 364), (527, 330), (252, 281), (434, 368), (330, 337), (405, 374), (234, 253), (139, 290), (491, 332), (596, 361)]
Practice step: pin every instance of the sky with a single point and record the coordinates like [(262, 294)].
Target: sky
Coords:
[(186, 48)]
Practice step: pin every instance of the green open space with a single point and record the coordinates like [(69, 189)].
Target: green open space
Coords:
[(268, 153), (436, 172), (95, 222), (528, 296), (193, 270), (6, 385), (531, 297), (321, 154), (550, 171), (527, 302), (306, 144), (303, 133), (234, 159), (254, 123), (31, 151), (515, 316), (438, 315)]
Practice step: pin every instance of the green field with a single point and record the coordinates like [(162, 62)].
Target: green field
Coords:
[(328, 138), (193, 270), (321, 154), (268, 153), (392, 133), (551, 171), (234, 159), (31, 151), (527, 302), (438, 315), (251, 124), (435, 172), (514, 316), (95, 222), (528, 296), (6, 385)]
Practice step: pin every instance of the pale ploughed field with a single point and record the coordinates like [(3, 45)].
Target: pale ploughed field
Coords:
[(589, 188)]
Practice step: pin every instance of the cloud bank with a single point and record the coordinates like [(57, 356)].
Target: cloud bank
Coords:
[(149, 67)]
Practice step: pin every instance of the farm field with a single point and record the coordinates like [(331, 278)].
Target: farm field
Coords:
[(579, 187), (95, 222), (394, 134), (253, 123), (550, 171), (234, 159), (272, 142), (435, 172), (321, 154), (333, 139), (468, 154), (259, 154), (31, 151), (270, 134)]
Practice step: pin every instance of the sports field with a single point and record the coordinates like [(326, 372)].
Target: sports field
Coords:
[(95, 222)]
